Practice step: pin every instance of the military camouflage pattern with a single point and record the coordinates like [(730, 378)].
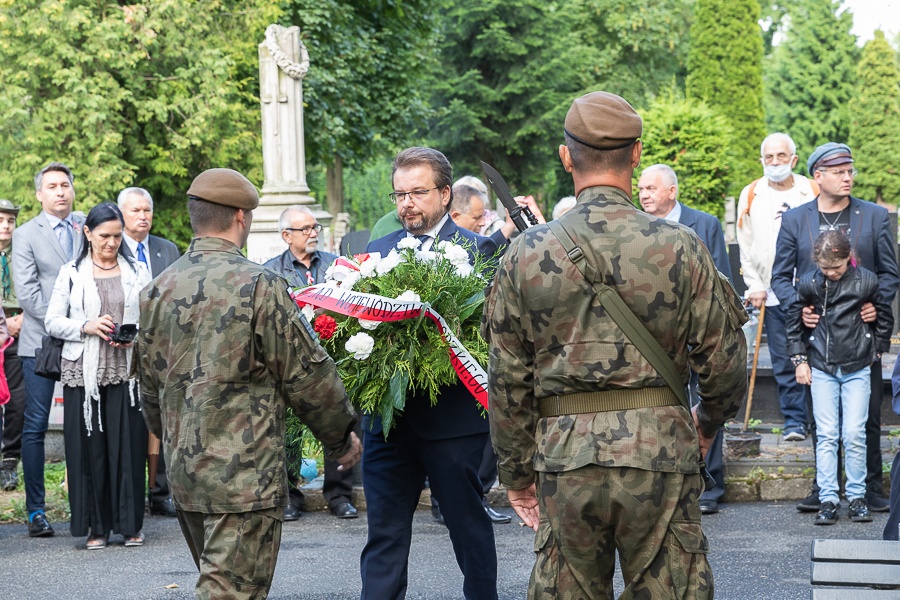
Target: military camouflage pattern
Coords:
[(549, 334), (234, 552), (653, 518), (222, 350)]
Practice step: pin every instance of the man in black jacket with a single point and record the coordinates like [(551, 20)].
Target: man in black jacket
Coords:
[(868, 227)]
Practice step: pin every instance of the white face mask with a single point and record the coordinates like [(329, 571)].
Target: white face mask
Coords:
[(777, 173)]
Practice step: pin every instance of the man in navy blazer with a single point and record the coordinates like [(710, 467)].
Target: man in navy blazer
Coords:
[(444, 442), (868, 227), (658, 193)]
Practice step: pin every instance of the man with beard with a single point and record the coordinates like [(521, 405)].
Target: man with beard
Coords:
[(445, 441)]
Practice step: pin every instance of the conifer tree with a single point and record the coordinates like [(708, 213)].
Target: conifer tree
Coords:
[(813, 76), (875, 125), (725, 71)]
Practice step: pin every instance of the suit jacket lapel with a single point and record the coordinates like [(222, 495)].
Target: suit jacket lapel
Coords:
[(155, 256), (78, 236), (446, 232), (51, 238), (855, 222), (812, 223)]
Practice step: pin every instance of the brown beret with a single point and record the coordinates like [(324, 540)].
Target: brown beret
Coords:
[(603, 121), (226, 187)]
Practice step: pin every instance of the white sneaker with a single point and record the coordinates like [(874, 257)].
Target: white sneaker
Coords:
[(794, 436)]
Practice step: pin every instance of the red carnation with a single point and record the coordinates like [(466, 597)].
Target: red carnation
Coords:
[(325, 326)]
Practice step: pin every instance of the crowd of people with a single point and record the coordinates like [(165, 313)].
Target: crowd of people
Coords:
[(608, 388)]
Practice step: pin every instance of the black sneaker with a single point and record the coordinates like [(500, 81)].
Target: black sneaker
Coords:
[(827, 514), (810, 503), (878, 503), (859, 512)]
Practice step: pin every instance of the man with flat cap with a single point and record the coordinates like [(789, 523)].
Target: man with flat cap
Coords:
[(222, 352), (597, 448), (868, 227)]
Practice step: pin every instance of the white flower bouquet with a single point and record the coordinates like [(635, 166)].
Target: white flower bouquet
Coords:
[(406, 321)]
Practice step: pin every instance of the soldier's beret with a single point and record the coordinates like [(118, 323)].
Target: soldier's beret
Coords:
[(603, 121), (226, 187), (8, 207), (829, 155)]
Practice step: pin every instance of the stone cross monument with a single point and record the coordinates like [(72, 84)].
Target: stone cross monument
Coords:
[(283, 62)]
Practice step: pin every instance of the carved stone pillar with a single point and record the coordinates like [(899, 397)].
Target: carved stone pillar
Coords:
[(283, 62)]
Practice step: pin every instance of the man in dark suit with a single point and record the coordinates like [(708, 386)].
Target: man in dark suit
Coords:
[(40, 248), (868, 227), (157, 253), (303, 264), (444, 442), (658, 193)]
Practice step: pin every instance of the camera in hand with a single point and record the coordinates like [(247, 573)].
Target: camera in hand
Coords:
[(123, 334)]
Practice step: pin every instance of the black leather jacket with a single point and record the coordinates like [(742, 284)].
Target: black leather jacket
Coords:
[(841, 339)]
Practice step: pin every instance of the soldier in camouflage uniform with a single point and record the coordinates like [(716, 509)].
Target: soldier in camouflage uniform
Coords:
[(222, 351), (602, 477)]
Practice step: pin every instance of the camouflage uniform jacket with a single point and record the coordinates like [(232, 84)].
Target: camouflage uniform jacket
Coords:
[(222, 350), (549, 335)]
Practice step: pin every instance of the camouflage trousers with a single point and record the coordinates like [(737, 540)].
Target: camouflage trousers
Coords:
[(652, 519), (234, 552)]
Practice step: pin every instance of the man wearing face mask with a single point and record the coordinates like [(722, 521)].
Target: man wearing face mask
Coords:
[(760, 208)]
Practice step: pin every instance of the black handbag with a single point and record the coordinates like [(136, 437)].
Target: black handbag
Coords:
[(48, 358)]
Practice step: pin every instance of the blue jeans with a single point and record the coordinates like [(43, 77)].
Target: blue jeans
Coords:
[(38, 399), (841, 408), (791, 394)]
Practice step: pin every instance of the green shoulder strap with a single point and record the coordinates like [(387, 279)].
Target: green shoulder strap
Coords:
[(627, 321)]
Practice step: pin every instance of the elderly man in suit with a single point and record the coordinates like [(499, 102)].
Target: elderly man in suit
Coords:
[(868, 227), (40, 248), (445, 441), (156, 253), (658, 193), (303, 264)]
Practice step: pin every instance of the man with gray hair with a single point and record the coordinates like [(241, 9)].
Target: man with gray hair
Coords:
[(157, 254), (761, 205), (658, 193), (303, 264)]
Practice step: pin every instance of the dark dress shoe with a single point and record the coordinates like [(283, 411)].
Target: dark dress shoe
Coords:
[(709, 507), (878, 503), (40, 526), (345, 510), (810, 503), (436, 513), (291, 513), (496, 517), (166, 508), (827, 514)]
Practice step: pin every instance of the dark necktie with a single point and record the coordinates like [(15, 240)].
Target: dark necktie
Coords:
[(5, 278), (141, 256)]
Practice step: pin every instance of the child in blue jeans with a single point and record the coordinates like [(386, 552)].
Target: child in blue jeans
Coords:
[(835, 358)]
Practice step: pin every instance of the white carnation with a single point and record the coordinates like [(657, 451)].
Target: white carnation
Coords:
[(369, 325), (463, 269), (360, 345), (453, 252), (309, 311), (340, 272), (408, 242), (368, 266), (350, 280), (426, 255), (409, 296), (388, 263)]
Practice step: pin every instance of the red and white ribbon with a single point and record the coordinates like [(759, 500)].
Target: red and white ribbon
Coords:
[(379, 308)]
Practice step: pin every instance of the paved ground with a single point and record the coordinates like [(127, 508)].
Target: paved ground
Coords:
[(759, 551)]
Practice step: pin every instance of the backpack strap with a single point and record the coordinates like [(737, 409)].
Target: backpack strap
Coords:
[(751, 194)]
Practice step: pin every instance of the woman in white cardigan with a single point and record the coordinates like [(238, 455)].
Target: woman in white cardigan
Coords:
[(105, 435)]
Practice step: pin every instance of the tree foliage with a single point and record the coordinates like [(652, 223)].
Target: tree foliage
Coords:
[(506, 77), (812, 76), (147, 94), (875, 125), (695, 141), (725, 71)]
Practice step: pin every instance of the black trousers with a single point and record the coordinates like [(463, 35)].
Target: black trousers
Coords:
[(14, 410)]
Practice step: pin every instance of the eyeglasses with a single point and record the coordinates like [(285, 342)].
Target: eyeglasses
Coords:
[(306, 230), (842, 172), (398, 197)]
